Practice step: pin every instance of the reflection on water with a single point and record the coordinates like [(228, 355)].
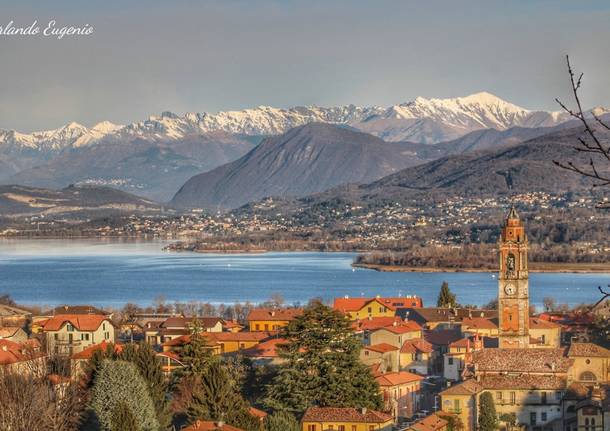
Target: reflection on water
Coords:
[(113, 272)]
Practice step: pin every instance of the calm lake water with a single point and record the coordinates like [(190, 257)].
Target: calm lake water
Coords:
[(111, 273)]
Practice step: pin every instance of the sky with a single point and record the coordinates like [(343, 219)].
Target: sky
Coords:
[(145, 57)]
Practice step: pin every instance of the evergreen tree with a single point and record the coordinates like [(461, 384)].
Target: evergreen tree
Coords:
[(281, 421), (145, 359), (322, 365), (196, 354), (446, 299), (217, 398), (488, 418), (123, 419), (119, 387), (95, 362)]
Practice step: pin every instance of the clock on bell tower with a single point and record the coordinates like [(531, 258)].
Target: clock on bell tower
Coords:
[(513, 295)]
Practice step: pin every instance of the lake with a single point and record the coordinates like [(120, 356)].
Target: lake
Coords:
[(112, 273)]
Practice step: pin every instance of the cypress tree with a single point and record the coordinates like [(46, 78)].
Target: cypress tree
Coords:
[(488, 418), (446, 299), (148, 364), (119, 387), (123, 419), (196, 354), (322, 365)]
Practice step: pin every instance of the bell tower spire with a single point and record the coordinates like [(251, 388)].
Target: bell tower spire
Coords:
[(513, 291)]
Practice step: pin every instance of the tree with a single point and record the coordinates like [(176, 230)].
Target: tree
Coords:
[(148, 364), (123, 419), (488, 418), (454, 423), (446, 299), (118, 387), (549, 303), (590, 143), (196, 354), (281, 421), (600, 331), (216, 398), (322, 365)]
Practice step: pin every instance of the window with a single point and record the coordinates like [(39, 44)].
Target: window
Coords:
[(381, 309), (311, 428), (354, 427), (371, 427), (341, 427), (69, 327), (513, 397), (456, 405), (533, 418), (242, 346), (370, 310), (543, 416), (499, 396), (588, 376), (266, 327), (331, 427), (103, 326), (450, 361), (56, 336), (543, 397), (257, 327)]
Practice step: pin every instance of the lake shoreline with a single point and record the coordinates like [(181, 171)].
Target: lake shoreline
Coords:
[(561, 268)]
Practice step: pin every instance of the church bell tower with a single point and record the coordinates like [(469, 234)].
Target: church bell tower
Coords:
[(513, 294)]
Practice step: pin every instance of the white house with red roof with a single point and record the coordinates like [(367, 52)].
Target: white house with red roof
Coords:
[(71, 333)]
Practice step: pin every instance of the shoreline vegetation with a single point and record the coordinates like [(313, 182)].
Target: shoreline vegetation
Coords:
[(540, 267)]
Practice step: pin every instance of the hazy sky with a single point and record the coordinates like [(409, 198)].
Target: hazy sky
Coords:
[(183, 56)]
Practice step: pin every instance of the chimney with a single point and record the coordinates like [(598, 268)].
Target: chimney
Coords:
[(220, 424), (363, 410), (5, 348)]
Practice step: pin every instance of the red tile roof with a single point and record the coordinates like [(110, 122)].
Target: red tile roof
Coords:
[(522, 360), (341, 414), (266, 349), (536, 323), (381, 348), (397, 378), (273, 314), (467, 387), (416, 345), (442, 337), (408, 326), (11, 352), (210, 426), (8, 331), (588, 349), (89, 351), (479, 323), (347, 305), (429, 423), (82, 322), (373, 323)]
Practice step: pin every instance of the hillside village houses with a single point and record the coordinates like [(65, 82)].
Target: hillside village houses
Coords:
[(425, 359)]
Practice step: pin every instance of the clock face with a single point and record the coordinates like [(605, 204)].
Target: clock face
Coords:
[(510, 289)]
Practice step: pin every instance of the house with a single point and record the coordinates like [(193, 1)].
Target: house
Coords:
[(265, 353), (440, 339), (345, 419), (455, 358), (220, 342), (80, 359), (429, 423), (442, 318), (366, 327), (587, 408), (13, 333), (72, 333), (13, 316), (385, 355), (271, 319), (396, 335), (21, 358), (156, 333), (417, 356), (210, 426), (480, 326), (401, 392), (363, 308)]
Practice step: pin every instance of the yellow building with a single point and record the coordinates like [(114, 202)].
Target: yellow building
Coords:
[(364, 308), (271, 319), (345, 419)]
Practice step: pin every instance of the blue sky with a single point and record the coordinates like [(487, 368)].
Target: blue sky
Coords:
[(146, 57)]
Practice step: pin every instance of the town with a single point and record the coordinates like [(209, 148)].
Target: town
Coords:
[(358, 364)]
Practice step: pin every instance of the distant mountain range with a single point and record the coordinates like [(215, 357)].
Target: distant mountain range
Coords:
[(20, 201), (521, 168), (304, 160), (155, 157)]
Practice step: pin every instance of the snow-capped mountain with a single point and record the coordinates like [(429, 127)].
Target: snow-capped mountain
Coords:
[(422, 120)]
